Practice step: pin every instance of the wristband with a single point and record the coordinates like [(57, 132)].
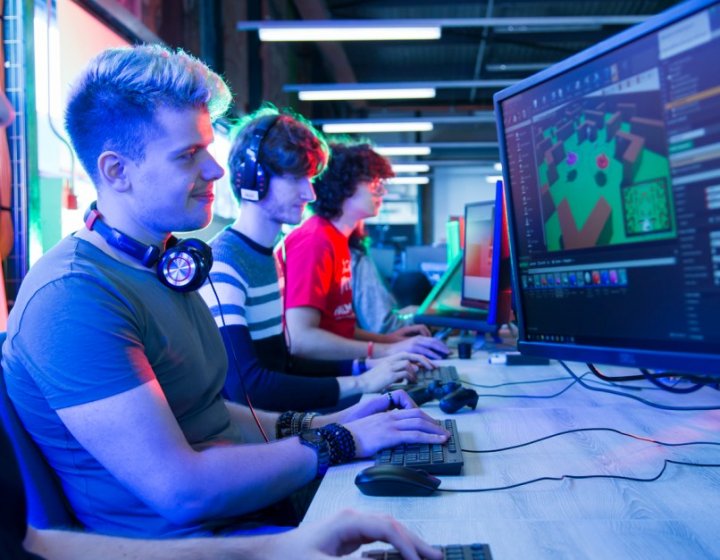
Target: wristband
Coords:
[(370, 348), (362, 366), (283, 424), (340, 442)]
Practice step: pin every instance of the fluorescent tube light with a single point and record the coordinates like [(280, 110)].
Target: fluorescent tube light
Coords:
[(408, 180), (493, 178), (377, 33), (411, 167), (347, 94), (363, 127), (403, 150)]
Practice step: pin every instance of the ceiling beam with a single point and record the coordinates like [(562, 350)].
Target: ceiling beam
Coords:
[(450, 84), (522, 24)]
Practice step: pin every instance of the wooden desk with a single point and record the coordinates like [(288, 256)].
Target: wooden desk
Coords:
[(677, 516)]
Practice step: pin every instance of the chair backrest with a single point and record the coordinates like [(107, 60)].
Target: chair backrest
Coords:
[(46, 502)]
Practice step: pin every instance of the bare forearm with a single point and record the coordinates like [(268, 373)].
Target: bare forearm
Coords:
[(67, 545), (321, 344), (232, 480), (362, 334), (246, 426)]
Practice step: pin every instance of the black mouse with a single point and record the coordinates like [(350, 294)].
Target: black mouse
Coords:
[(394, 480)]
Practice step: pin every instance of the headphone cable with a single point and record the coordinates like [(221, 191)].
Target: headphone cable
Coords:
[(237, 365)]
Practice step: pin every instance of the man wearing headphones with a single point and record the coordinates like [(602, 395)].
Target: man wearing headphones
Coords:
[(273, 160), (115, 365)]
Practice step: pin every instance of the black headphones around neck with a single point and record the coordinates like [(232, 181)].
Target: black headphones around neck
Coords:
[(183, 266), (251, 181)]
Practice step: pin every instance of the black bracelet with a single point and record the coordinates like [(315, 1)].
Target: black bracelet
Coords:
[(341, 443), (362, 366), (284, 424)]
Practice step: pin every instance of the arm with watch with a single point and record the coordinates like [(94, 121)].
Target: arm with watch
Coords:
[(353, 433)]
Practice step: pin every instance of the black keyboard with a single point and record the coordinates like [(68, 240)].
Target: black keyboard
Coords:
[(443, 459), (442, 374), (450, 552)]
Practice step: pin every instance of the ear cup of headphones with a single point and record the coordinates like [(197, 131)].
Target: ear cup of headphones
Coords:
[(185, 266), (251, 181)]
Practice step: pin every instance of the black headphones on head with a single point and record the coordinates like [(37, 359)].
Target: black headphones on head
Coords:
[(251, 181), (183, 266)]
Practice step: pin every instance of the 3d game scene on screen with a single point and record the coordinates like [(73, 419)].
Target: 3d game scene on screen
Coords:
[(603, 168)]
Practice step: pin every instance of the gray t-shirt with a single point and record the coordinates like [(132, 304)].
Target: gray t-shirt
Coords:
[(86, 327)]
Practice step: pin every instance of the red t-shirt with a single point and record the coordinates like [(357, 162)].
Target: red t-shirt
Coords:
[(316, 273)]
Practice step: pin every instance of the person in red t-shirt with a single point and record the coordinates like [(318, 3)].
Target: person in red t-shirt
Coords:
[(315, 262)]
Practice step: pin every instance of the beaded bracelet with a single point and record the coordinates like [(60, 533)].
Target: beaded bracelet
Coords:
[(341, 443)]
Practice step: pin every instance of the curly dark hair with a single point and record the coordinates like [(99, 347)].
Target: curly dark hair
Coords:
[(292, 146), (349, 164)]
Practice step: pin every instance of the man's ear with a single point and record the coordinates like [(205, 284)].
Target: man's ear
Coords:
[(113, 171)]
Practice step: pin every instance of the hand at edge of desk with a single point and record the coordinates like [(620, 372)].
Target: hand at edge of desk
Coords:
[(343, 534)]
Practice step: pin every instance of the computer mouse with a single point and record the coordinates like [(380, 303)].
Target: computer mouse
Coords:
[(395, 480)]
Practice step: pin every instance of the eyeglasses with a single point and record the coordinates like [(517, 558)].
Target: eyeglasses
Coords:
[(377, 187)]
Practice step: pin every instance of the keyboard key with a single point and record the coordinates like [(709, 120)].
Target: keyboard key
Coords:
[(445, 459)]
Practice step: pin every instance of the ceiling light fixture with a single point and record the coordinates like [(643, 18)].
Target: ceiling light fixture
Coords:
[(317, 94), (402, 150), (411, 167), (366, 127), (408, 180), (345, 31)]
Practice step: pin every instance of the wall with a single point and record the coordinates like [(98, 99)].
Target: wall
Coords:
[(453, 187)]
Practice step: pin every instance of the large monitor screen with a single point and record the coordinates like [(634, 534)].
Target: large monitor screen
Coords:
[(611, 161)]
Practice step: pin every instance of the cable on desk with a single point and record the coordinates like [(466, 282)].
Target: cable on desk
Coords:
[(654, 377), (532, 396), (629, 396), (577, 430), (672, 388), (666, 462), (509, 383)]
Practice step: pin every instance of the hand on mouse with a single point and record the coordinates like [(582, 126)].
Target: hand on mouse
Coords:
[(404, 332), (426, 345)]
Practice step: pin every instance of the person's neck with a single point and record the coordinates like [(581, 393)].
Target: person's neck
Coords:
[(345, 224), (94, 238), (253, 224)]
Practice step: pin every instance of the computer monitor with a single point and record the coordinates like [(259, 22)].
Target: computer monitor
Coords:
[(486, 263), (611, 168), (442, 307)]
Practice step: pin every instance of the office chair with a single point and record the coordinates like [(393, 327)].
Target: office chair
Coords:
[(46, 502)]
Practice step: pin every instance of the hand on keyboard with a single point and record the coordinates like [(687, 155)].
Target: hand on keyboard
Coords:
[(343, 534), (396, 427)]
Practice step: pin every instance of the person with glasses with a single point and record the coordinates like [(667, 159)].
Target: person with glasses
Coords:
[(316, 265)]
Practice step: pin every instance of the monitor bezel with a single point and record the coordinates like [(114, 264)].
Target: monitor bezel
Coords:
[(491, 303), (689, 362)]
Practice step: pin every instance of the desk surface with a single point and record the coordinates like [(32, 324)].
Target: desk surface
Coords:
[(677, 516)]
